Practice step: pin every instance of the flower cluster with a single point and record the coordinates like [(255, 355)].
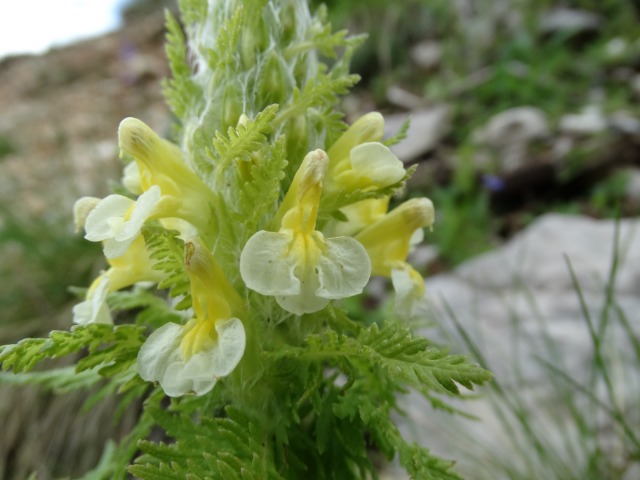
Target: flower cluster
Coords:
[(304, 257)]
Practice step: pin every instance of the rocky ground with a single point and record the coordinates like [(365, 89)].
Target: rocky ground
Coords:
[(527, 307), (60, 114)]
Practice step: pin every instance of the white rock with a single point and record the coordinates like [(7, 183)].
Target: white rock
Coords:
[(426, 54), (624, 123), (509, 133), (516, 124), (428, 127), (569, 20), (404, 98), (616, 47), (632, 189), (589, 122), (635, 84), (512, 302)]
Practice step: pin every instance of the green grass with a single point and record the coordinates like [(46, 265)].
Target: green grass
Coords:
[(41, 259)]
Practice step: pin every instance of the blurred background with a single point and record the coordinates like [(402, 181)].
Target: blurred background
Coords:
[(519, 108)]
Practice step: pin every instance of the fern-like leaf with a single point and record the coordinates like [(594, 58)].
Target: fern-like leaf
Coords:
[(218, 449), (242, 141), (322, 90), (57, 380), (260, 194), (166, 251), (398, 354), (105, 344), (400, 135), (225, 45), (181, 92)]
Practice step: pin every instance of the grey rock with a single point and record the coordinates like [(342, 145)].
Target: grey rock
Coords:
[(517, 301), (428, 127), (624, 122), (403, 98), (509, 133), (635, 85), (632, 189), (570, 20), (426, 54), (423, 255), (590, 121)]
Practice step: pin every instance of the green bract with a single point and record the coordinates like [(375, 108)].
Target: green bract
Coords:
[(258, 218)]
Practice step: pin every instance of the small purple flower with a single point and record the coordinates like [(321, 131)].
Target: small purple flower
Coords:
[(493, 183)]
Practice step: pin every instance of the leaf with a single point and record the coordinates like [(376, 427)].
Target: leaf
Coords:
[(105, 344), (222, 54), (400, 135), (408, 360), (58, 380), (181, 92), (233, 447), (242, 141), (166, 251)]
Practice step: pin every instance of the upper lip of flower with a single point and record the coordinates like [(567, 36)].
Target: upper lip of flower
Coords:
[(388, 240)]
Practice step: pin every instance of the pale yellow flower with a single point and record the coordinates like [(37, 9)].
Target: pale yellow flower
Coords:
[(358, 161), (160, 163), (388, 242), (191, 358), (297, 264), (389, 239), (133, 267), (359, 216)]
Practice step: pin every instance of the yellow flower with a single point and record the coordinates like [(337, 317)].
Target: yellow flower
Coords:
[(116, 220), (358, 161), (359, 216), (388, 242), (389, 239), (132, 267), (160, 163), (297, 264), (193, 357)]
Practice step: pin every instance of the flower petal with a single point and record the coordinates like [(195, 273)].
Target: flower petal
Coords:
[(375, 161), (231, 344), (343, 269), (304, 302), (94, 309), (368, 128), (98, 225), (81, 210), (117, 220), (141, 212), (131, 178), (267, 266), (161, 349), (411, 301), (160, 358)]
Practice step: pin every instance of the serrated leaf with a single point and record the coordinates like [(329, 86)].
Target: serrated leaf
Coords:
[(242, 141)]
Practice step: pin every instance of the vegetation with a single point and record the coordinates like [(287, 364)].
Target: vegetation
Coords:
[(322, 400)]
